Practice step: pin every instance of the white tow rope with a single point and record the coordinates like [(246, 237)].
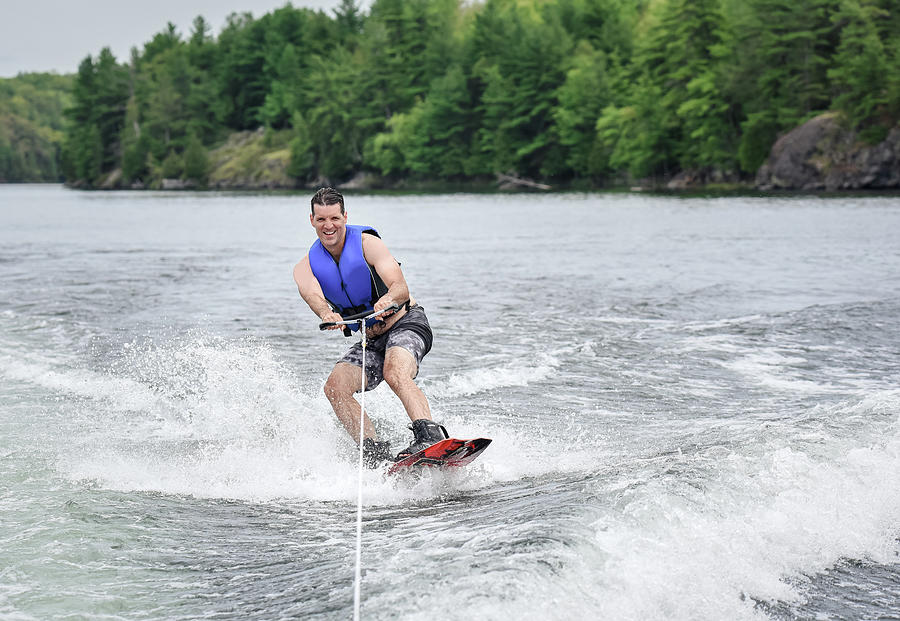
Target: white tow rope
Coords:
[(349, 321), (362, 416)]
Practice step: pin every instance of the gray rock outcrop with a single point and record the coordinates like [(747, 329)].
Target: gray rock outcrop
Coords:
[(822, 154)]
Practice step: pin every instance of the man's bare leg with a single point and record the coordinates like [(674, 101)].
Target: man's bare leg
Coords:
[(400, 370), (339, 388)]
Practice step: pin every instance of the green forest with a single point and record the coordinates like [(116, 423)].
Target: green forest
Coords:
[(31, 126), (587, 93)]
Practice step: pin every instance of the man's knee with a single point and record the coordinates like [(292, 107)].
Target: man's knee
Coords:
[(339, 385), (333, 389), (397, 375)]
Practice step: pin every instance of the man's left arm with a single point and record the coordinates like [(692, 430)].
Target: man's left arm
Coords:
[(378, 256)]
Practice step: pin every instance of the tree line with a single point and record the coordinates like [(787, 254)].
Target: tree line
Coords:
[(574, 91), (31, 126)]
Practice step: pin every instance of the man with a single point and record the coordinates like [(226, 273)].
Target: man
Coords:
[(349, 270)]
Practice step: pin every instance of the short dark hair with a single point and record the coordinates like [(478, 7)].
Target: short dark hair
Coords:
[(326, 196)]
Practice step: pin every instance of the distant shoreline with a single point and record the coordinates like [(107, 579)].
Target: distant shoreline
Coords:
[(713, 191)]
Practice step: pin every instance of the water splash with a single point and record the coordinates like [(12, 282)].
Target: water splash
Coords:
[(203, 416)]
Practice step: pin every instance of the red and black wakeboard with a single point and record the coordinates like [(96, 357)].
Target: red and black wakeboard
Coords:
[(449, 453)]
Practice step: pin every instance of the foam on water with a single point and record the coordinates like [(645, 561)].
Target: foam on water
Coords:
[(502, 376), (721, 530), (120, 393), (711, 534), (210, 418), (12, 586), (773, 369)]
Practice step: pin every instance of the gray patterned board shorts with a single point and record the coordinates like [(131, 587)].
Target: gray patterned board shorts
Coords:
[(412, 332)]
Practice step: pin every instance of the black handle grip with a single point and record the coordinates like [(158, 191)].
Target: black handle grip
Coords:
[(354, 318), (367, 314)]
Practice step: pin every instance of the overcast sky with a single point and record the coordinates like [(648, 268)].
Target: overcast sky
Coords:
[(56, 35)]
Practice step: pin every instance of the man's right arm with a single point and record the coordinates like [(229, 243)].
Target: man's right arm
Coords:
[(311, 292)]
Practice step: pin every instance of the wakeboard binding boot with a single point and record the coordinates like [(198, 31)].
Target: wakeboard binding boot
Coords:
[(425, 433), (376, 452)]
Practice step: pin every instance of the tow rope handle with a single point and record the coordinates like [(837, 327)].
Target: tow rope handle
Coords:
[(352, 319)]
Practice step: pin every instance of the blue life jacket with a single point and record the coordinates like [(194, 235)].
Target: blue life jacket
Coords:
[(350, 286)]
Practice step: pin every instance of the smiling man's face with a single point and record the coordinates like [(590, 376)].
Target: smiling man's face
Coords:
[(331, 227)]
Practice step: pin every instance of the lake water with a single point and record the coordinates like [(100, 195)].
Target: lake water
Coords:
[(694, 402)]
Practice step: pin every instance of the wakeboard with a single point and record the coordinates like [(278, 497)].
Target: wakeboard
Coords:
[(449, 453)]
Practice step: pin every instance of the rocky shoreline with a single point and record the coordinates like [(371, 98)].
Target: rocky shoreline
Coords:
[(820, 155)]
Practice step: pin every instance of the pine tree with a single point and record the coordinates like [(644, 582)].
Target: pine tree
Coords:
[(442, 130), (201, 96), (334, 131), (196, 163), (406, 44), (393, 151), (172, 166), (680, 56), (785, 47), (859, 69), (99, 95), (284, 96), (111, 98), (240, 75), (519, 70), (582, 98), (302, 164), (631, 135), (350, 23)]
